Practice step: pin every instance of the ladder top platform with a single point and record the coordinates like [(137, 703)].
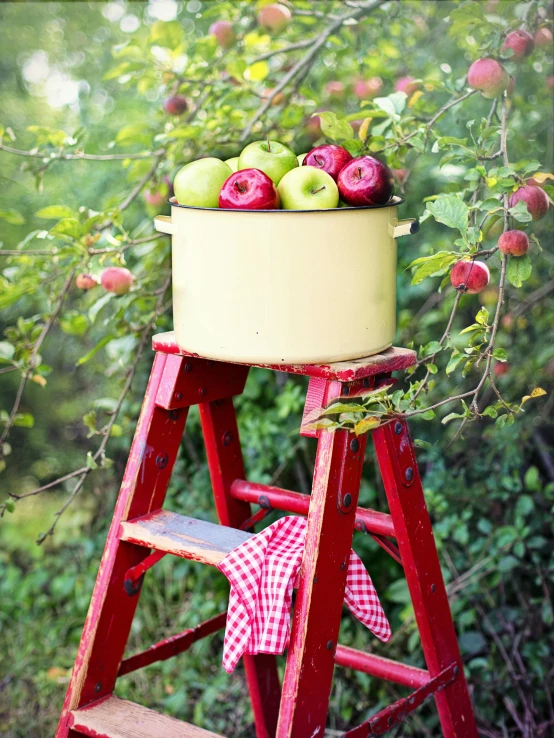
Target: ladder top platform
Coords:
[(391, 360)]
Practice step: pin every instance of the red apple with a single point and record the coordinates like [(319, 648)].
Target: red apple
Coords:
[(313, 127), (175, 105), (335, 89), (400, 174), (356, 124), (367, 89), (156, 197), (536, 199), (365, 181), (513, 243), (543, 37), (501, 368), (470, 276), (117, 279), (249, 189), (86, 281), (488, 76), (274, 18), (329, 157), (507, 321), (406, 84), (224, 33), (521, 43), (550, 83), (511, 86)]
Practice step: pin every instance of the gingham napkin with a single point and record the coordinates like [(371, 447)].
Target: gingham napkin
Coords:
[(263, 572)]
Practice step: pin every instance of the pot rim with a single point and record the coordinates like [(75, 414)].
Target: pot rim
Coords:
[(393, 202)]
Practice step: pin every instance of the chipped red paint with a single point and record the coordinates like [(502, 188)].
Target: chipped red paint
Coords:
[(172, 646), (423, 574), (391, 360), (395, 713), (392, 671), (296, 502)]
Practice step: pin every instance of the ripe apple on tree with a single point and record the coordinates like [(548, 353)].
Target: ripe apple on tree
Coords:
[(249, 189), (329, 157), (198, 183), (365, 181), (274, 18), (117, 280), (489, 77), (224, 33), (308, 188), (406, 84), (272, 157), (367, 89), (521, 43), (175, 104), (543, 37), (470, 276), (335, 89), (86, 281), (513, 243), (535, 198)]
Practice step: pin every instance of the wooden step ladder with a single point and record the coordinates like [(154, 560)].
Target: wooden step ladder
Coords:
[(142, 532)]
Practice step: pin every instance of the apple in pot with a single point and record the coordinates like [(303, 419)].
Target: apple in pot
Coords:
[(272, 157), (249, 189), (329, 157), (308, 188), (365, 181), (198, 183)]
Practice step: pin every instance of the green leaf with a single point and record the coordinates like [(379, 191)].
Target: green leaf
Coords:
[(428, 415), (55, 212), (13, 217), (482, 316), (6, 351), (166, 33), (366, 425), (455, 359), (451, 416), (24, 420), (93, 351), (392, 105), (68, 227), (500, 354), (91, 463), (450, 210), (432, 266), (74, 323), (520, 212), (490, 412), (519, 269), (335, 128)]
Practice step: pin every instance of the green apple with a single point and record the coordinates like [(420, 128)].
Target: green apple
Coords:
[(301, 158), (233, 163), (198, 183), (273, 158), (308, 188)]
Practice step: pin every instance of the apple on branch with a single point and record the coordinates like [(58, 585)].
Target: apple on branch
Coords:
[(117, 280), (249, 189), (513, 243), (329, 157), (198, 183), (365, 181), (521, 43), (175, 104), (224, 33), (272, 157), (274, 18), (535, 198), (489, 77), (86, 281), (367, 89), (470, 276), (308, 188)]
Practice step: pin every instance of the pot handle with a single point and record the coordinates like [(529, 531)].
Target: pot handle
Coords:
[(404, 227), (163, 224)]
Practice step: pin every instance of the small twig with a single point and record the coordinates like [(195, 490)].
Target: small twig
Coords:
[(283, 50), (77, 156)]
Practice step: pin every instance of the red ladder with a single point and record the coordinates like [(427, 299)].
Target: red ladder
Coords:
[(142, 532)]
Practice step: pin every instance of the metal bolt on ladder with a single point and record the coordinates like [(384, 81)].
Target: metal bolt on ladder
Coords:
[(142, 532)]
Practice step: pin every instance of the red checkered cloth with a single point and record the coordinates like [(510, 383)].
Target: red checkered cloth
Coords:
[(263, 572)]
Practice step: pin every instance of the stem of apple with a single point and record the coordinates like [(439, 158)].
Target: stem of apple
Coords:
[(360, 172), (268, 143), (318, 161), (314, 192)]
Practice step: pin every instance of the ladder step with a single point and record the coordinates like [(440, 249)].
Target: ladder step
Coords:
[(189, 538), (112, 717)]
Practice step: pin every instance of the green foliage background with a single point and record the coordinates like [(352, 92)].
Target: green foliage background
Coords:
[(490, 492)]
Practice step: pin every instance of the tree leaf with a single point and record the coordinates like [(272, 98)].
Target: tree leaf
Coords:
[(450, 210), (366, 425), (55, 212), (12, 216), (335, 128), (432, 266), (537, 392), (519, 269)]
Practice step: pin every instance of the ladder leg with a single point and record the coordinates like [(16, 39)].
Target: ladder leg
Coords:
[(143, 489), (398, 465), (221, 436), (319, 601)]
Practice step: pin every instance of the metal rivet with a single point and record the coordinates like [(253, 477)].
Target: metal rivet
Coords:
[(398, 428), (343, 566), (161, 460), (188, 367), (315, 580), (347, 499), (98, 687), (346, 390), (173, 414), (411, 700), (227, 438), (178, 395), (433, 587), (354, 445), (329, 645), (366, 382), (409, 474), (264, 502), (456, 669), (202, 391)]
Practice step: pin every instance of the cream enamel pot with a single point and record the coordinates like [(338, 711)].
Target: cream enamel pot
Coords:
[(284, 286)]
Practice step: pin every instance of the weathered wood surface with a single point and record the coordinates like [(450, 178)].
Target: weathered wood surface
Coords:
[(116, 718), (392, 360), (182, 536)]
